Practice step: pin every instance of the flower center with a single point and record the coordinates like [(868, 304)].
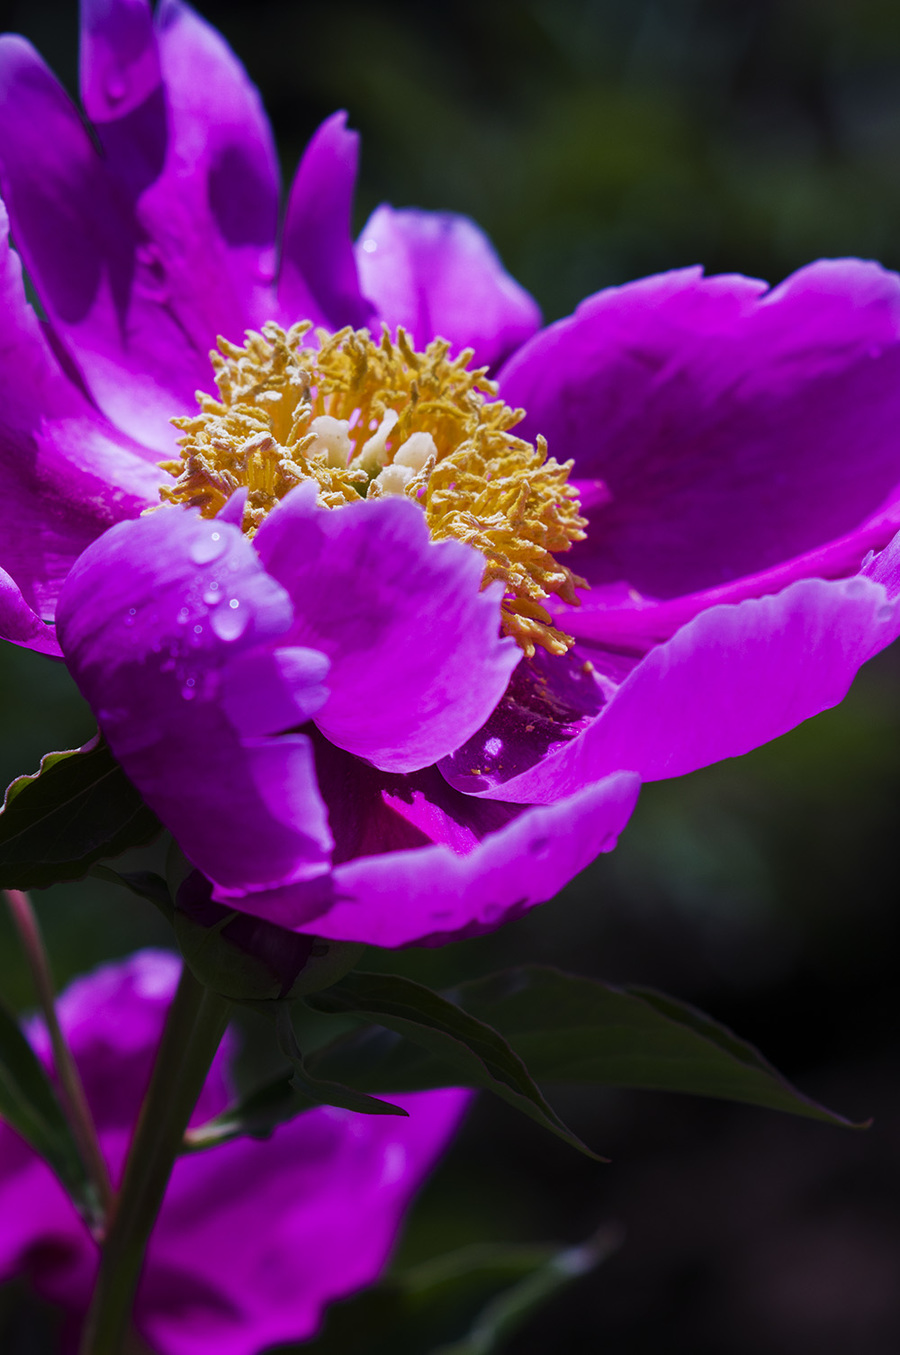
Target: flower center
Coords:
[(364, 419)]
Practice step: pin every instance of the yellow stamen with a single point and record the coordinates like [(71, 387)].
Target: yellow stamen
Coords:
[(365, 419)]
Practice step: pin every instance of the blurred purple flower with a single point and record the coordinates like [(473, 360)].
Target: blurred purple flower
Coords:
[(736, 451), (254, 1238)]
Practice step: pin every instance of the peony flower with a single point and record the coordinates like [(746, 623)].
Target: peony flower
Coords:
[(378, 661), (254, 1238)]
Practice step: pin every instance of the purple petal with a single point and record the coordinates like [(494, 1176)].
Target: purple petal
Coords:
[(733, 678), (255, 1238), (740, 432), (436, 273), (417, 661), (65, 474), (318, 279), (118, 57), (416, 863), (141, 255), (152, 619)]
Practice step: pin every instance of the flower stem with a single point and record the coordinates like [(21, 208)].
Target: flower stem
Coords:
[(194, 1028), (74, 1100)]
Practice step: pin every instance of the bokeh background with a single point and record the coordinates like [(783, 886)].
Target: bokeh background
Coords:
[(596, 141)]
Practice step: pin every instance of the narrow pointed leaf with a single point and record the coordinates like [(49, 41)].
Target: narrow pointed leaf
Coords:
[(145, 883), (571, 1029), (30, 1106), (469, 1051), (78, 807), (486, 1291), (511, 1308), (282, 1099)]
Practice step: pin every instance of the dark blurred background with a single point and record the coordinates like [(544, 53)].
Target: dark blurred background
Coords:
[(598, 140)]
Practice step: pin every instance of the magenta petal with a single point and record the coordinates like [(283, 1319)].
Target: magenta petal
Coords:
[(417, 661), (150, 630), (265, 691), (433, 895), (20, 624), (65, 474), (437, 274), (254, 1238), (318, 278), (143, 254), (416, 863), (735, 677), (118, 57), (735, 427)]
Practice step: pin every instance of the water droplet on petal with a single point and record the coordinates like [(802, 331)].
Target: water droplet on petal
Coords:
[(230, 625), (183, 617), (208, 547), (212, 596), (187, 692)]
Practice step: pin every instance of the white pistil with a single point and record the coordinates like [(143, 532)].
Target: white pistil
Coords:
[(374, 450), (415, 451), (392, 479), (332, 437)]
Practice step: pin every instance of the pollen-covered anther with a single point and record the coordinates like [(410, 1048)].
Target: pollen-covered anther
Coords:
[(364, 419)]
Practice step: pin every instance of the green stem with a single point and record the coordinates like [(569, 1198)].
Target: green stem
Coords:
[(74, 1100), (194, 1028)]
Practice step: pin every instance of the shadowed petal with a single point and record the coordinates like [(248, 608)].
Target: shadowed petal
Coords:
[(736, 428), (437, 274), (254, 1238), (416, 863), (151, 619), (143, 254), (318, 279), (65, 473), (731, 679), (417, 661)]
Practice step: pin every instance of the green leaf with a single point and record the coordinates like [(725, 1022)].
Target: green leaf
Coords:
[(571, 1029), (29, 1104), (470, 1052), (282, 1099), (77, 808), (512, 1307), (486, 1291), (145, 883)]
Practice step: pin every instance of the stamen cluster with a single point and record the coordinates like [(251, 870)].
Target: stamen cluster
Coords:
[(365, 419)]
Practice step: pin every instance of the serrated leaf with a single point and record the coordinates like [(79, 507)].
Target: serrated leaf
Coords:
[(29, 1104), (471, 1052), (571, 1029), (77, 808)]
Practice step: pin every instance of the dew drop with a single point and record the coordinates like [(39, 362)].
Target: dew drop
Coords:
[(207, 548), (187, 691), (212, 596), (198, 630), (370, 245), (230, 625), (182, 617)]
